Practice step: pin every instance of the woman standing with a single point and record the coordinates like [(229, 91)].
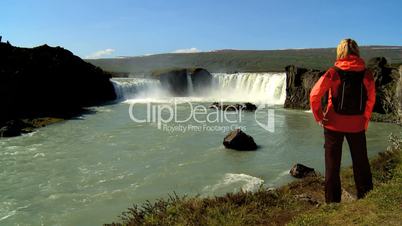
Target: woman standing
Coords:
[(351, 98)]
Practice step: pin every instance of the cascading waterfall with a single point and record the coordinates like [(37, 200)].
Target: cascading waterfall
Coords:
[(127, 88), (253, 87), (267, 88)]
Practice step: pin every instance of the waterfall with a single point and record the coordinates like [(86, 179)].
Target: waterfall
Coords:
[(267, 88), (254, 87), (128, 88), (190, 85)]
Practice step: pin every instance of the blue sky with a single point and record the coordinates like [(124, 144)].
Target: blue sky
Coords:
[(109, 28)]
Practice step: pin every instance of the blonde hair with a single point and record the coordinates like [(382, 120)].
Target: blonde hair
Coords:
[(347, 47)]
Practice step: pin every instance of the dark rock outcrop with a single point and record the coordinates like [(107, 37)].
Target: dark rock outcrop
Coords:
[(238, 140), (202, 80), (300, 171), (47, 81), (175, 81), (18, 127), (226, 107), (13, 128), (386, 80), (233, 107), (249, 107), (178, 81), (299, 82)]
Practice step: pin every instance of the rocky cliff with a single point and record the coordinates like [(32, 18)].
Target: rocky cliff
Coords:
[(299, 82), (47, 81), (388, 87)]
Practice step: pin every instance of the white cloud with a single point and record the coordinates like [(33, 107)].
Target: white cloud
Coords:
[(100, 53), (190, 50)]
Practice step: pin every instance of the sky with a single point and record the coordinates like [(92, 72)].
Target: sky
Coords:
[(113, 28)]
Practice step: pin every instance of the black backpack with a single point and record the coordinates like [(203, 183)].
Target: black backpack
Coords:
[(352, 94)]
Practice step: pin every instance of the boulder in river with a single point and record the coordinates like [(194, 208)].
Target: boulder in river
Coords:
[(14, 128), (249, 106), (238, 140), (301, 171), (234, 107)]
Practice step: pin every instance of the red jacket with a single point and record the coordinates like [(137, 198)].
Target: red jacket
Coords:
[(330, 81)]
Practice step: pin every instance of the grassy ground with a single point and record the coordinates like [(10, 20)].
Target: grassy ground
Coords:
[(298, 203), (382, 206)]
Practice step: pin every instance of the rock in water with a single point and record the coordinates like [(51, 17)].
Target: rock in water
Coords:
[(234, 107), (249, 107), (226, 107), (300, 171), (13, 128), (239, 140)]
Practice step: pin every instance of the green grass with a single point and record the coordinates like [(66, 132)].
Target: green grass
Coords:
[(298, 203)]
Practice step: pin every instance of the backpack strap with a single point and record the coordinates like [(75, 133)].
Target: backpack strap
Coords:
[(337, 69), (336, 75)]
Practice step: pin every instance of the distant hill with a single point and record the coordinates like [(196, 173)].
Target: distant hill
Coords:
[(241, 60)]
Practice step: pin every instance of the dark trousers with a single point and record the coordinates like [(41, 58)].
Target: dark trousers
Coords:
[(333, 154)]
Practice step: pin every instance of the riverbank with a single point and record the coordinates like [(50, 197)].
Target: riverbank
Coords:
[(298, 203), (18, 127)]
